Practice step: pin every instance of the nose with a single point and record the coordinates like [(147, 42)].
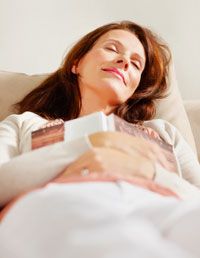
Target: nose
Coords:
[(123, 62)]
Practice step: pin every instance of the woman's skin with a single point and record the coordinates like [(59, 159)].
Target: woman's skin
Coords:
[(117, 154), (108, 75)]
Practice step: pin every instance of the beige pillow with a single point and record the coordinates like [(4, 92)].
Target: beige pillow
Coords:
[(14, 86)]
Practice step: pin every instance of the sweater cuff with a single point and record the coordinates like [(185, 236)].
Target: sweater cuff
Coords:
[(178, 185)]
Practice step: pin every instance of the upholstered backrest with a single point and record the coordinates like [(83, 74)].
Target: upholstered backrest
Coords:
[(193, 111), (172, 109), (13, 87)]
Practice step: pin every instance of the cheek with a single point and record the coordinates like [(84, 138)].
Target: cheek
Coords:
[(92, 62), (92, 65), (101, 56), (135, 80)]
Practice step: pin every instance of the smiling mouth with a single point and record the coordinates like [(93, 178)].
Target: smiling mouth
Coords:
[(115, 72)]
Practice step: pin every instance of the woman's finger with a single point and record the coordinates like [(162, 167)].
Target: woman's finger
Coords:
[(111, 162)]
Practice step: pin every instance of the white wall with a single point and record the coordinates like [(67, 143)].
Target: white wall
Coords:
[(35, 34)]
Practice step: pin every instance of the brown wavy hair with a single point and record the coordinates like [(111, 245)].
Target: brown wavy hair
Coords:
[(59, 95)]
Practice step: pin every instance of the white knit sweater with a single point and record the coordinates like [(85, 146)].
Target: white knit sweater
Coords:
[(22, 169)]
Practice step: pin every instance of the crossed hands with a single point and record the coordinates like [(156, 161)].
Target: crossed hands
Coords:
[(117, 154)]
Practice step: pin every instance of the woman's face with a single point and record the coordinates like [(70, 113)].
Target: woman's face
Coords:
[(112, 68)]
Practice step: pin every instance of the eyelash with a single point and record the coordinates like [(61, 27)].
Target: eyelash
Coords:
[(135, 65), (112, 49), (115, 50)]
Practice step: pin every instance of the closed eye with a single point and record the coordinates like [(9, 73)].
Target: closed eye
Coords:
[(112, 49), (136, 65)]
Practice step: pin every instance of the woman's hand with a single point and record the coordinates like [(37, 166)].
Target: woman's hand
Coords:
[(112, 162), (119, 154), (126, 143)]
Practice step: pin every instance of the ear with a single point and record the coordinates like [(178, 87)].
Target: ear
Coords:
[(74, 69)]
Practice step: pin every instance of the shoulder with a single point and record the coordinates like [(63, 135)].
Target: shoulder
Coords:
[(165, 129), (26, 119), (23, 117), (160, 123), (16, 129)]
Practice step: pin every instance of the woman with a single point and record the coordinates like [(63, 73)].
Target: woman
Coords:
[(118, 68)]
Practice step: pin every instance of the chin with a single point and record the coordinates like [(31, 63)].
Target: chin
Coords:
[(115, 91)]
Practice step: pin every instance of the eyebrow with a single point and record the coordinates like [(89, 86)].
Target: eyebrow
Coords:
[(138, 56)]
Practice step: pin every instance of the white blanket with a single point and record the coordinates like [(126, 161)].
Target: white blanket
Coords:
[(100, 220)]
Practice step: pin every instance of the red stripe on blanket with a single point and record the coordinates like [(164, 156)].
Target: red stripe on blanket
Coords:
[(141, 182)]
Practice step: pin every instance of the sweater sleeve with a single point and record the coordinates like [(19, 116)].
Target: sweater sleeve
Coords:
[(187, 183), (21, 171), (184, 189)]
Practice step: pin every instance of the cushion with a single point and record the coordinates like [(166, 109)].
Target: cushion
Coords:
[(193, 110), (172, 109), (14, 86)]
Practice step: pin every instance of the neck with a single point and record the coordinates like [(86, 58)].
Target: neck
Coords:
[(93, 102)]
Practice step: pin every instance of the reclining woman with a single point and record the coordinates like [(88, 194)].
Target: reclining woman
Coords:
[(118, 68)]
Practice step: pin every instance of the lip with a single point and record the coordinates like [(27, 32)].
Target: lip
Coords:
[(115, 70)]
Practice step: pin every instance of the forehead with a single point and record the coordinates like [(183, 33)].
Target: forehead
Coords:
[(126, 38)]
